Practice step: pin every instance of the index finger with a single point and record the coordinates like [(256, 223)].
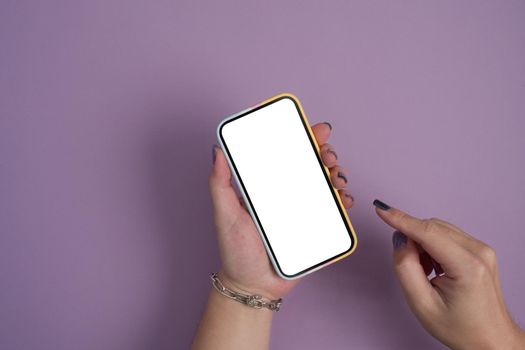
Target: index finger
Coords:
[(432, 237), (322, 132)]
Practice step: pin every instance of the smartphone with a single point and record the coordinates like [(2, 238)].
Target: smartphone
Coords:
[(276, 162)]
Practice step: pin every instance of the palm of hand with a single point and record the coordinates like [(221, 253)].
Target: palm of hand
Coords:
[(245, 262)]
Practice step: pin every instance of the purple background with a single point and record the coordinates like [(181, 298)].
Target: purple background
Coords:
[(108, 112)]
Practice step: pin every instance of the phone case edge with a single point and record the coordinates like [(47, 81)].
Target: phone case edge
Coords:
[(325, 168)]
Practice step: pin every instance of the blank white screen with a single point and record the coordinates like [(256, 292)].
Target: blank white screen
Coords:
[(285, 182)]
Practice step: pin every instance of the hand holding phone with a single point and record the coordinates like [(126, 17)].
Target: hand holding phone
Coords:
[(245, 263)]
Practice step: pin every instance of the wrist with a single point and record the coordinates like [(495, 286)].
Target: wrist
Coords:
[(519, 339), (515, 338), (254, 301), (227, 324), (234, 309), (512, 338), (246, 288)]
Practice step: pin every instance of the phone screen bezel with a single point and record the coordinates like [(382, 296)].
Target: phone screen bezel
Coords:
[(313, 143)]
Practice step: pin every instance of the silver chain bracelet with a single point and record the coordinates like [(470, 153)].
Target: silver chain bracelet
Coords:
[(254, 301)]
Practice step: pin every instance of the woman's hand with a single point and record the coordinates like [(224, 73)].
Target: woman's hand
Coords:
[(462, 306), (227, 324), (245, 264)]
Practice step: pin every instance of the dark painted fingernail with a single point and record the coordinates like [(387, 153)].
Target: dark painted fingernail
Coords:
[(341, 176), (329, 125), (350, 196), (378, 204), (332, 152), (214, 153), (399, 240)]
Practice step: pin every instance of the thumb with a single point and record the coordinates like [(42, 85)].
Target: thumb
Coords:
[(411, 275), (224, 198)]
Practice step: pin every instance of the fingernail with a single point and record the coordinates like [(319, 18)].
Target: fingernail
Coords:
[(378, 204), (399, 240), (329, 125), (350, 196), (332, 152), (214, 153), (341, 176)]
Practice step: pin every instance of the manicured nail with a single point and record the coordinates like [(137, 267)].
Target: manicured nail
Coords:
[(378, 204), (329, 125), (332, 152), (341, 176), (350, 196), (214, 153), (399, 240)]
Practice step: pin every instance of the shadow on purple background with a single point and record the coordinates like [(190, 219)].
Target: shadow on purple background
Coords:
[(108, 112)]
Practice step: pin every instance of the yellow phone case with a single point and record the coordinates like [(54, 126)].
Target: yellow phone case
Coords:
[(326, 170)]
